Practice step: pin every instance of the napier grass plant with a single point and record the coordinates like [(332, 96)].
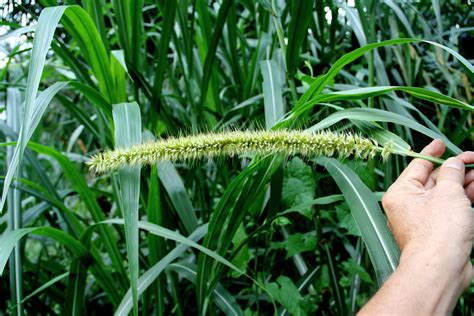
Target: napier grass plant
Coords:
[(285, 219)]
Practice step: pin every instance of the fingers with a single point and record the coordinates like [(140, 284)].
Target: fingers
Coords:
[(451, 172), (469, 190), (419, 170), (467, 157), (469, 177), (431, 182)]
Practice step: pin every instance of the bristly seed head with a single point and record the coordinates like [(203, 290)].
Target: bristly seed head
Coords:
[(234, 143)]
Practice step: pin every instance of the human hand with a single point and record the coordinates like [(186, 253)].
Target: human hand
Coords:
[(429, 211)]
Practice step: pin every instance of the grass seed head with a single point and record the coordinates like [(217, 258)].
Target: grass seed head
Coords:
[(233, 143)]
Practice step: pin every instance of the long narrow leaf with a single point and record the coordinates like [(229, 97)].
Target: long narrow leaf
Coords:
[(382, 116), (382, 248), (154, 272), (272, 94), (363, 93), (223, 299), (301, 13), (72, 173), (174, 186), (14, 204), (317, 87), (47, 23), (169, 234), (128, 131)]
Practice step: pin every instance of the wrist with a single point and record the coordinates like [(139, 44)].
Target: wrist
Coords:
[(439, 270), (448, 255)]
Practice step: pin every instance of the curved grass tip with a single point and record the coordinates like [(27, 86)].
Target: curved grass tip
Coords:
[(232, 143)]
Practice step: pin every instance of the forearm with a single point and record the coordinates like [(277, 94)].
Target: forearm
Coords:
[(425, 283)]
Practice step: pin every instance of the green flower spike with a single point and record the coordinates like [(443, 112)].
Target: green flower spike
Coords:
[(234, 143)]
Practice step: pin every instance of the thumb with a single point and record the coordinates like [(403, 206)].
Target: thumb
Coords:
[(452, 171)]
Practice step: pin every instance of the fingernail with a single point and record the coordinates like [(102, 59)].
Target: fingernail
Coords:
[(455, 163)]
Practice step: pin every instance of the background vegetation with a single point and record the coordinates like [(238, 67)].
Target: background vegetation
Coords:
[(262, 234)]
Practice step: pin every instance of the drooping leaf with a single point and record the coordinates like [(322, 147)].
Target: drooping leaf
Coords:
[(366, 211), (147, 278)]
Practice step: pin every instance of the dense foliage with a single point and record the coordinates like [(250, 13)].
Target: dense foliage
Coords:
[(240, 235)]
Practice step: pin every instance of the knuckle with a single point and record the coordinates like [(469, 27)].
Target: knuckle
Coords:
[(449, 186), (388, 201)]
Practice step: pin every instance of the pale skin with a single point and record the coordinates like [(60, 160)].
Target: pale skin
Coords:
[(430, 214)]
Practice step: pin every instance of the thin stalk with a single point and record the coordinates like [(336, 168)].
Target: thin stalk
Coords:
[(418, 155), (294, 95), (14, 204), (16, 270), (356, 281), (334, 278), (371, 76)]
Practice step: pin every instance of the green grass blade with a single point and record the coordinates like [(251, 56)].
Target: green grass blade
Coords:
[(147, 278), (439, 22), (94, 9), (223, 299), (84, 119), (45, 28), (78, 23), (258, 55), (17, 32), (46, 285), (227, 216), (365, 209), (128, 131), (169, 234), (94, 97), (382, 116), (76, 65), (35, 190), (41, 103), (169, 11), (47, 23), (234, 35), (129, 18), (364, 93), (334, 280), (76, 287), (14, 204), (301, 13), (401, 16), (179, 197), (272, 94), (9, 239), (81, 27), (317, 87), (212, 49), (72, 173), (156, 245), (357, 23)]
